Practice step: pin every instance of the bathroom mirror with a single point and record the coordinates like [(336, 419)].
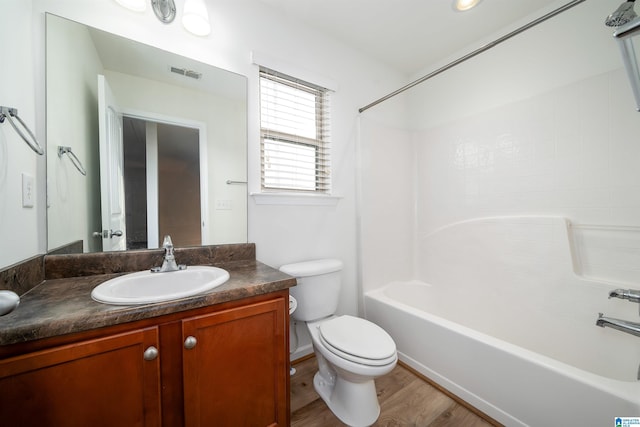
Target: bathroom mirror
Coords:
[(162, 139)]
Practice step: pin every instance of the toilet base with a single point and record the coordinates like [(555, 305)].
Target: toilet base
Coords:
[(362, 409)]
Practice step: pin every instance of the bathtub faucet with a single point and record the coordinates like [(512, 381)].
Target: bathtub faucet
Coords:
[(632, 295), (621, 325)]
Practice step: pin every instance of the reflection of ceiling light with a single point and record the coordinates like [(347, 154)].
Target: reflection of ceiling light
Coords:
[(195, 17), (462, 5), (137, 5)]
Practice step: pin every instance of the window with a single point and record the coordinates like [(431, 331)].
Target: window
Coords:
[(294, 128)]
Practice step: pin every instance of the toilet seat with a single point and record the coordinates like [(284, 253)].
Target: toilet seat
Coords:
[(358, 340)]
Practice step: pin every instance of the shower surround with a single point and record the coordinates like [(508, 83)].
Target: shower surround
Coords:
[(503, 315), (528, 139)]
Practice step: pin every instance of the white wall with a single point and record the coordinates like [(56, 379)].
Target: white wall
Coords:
[(21, 229), (387, 201), (73, 201)]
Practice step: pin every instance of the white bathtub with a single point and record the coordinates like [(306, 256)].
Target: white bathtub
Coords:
[(524, 352), (513, 384)]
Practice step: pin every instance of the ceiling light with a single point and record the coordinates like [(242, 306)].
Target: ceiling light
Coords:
[(136, 5), (463, 5), (195, 17)]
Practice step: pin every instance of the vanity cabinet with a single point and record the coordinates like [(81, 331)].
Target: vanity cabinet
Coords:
[(98, 382), (233, 367), (222, 365)]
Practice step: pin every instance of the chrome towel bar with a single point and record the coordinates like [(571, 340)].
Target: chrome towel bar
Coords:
[(76, 162), (12, 113)]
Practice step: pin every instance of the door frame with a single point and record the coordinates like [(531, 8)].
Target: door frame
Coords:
[(204, 169)]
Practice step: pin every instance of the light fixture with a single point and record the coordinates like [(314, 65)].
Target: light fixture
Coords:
[(165, 10), (464, 5), (195, 17), (136, 5)]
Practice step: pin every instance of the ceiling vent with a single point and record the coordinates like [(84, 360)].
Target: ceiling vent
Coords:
[(187, 73)]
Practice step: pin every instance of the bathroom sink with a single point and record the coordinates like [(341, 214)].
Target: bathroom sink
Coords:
[(146, 287)]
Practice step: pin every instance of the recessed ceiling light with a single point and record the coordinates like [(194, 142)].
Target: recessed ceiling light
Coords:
[(463, 5)]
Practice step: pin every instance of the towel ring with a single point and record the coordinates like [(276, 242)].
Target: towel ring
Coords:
[(76, 162), (10, 113)]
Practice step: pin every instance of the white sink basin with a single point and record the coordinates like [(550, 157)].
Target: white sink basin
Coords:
[(146, 287)]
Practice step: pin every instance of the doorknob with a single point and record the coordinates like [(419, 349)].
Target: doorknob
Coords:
[(107, 234)]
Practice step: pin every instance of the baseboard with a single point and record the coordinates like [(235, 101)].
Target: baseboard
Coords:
[(301, 353)]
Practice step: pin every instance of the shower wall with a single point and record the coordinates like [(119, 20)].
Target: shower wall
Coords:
[(386, 200), (571, 152), (543, 124)]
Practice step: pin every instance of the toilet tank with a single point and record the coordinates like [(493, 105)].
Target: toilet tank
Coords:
[(318, 288)]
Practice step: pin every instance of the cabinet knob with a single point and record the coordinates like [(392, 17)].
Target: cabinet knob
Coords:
[(150, 353), (190, 342)]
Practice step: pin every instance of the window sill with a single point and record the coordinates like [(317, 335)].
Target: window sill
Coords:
[(295, 199)]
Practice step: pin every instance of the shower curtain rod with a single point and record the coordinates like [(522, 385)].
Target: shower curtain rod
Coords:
[(478, 51)]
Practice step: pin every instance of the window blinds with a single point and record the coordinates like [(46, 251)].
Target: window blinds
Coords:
[(294, 122)]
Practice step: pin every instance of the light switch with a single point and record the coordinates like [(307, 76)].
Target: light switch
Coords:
[(223, 205), (28, 191)]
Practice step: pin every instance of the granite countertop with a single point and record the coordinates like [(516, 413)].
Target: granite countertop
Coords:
[(63, 305)]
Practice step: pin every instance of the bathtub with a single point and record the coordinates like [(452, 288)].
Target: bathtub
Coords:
[(522, 347)]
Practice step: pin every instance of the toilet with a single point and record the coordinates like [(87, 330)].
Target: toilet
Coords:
[(351, 351)]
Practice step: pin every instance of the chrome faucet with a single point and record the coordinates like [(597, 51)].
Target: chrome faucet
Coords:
[(169, 261), (632, 295), (621, 325)]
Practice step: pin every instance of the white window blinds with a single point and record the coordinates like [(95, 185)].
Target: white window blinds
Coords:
[(294, 123)]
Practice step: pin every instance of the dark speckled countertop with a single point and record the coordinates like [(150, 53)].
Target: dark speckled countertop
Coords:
[(59, 306)]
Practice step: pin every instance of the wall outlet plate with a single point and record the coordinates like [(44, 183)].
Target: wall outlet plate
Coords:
[(28, 191)]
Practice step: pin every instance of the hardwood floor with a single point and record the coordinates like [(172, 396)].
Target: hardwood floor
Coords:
[(405, 400)]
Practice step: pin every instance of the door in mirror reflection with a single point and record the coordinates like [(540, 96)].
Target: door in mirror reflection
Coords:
[(162, 176), (111, 165)]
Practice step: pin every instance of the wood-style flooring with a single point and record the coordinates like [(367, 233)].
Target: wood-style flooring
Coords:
[(406, 399)]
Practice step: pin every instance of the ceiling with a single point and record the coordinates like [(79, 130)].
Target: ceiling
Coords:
[(410, 35)]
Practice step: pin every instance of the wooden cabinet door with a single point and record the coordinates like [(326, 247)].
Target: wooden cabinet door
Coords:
[(99, 382), (237, 372)]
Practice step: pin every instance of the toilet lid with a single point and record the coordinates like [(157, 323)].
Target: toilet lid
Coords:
[(358, 340)]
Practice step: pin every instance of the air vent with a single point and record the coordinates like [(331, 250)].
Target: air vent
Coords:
[(187, 73)]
